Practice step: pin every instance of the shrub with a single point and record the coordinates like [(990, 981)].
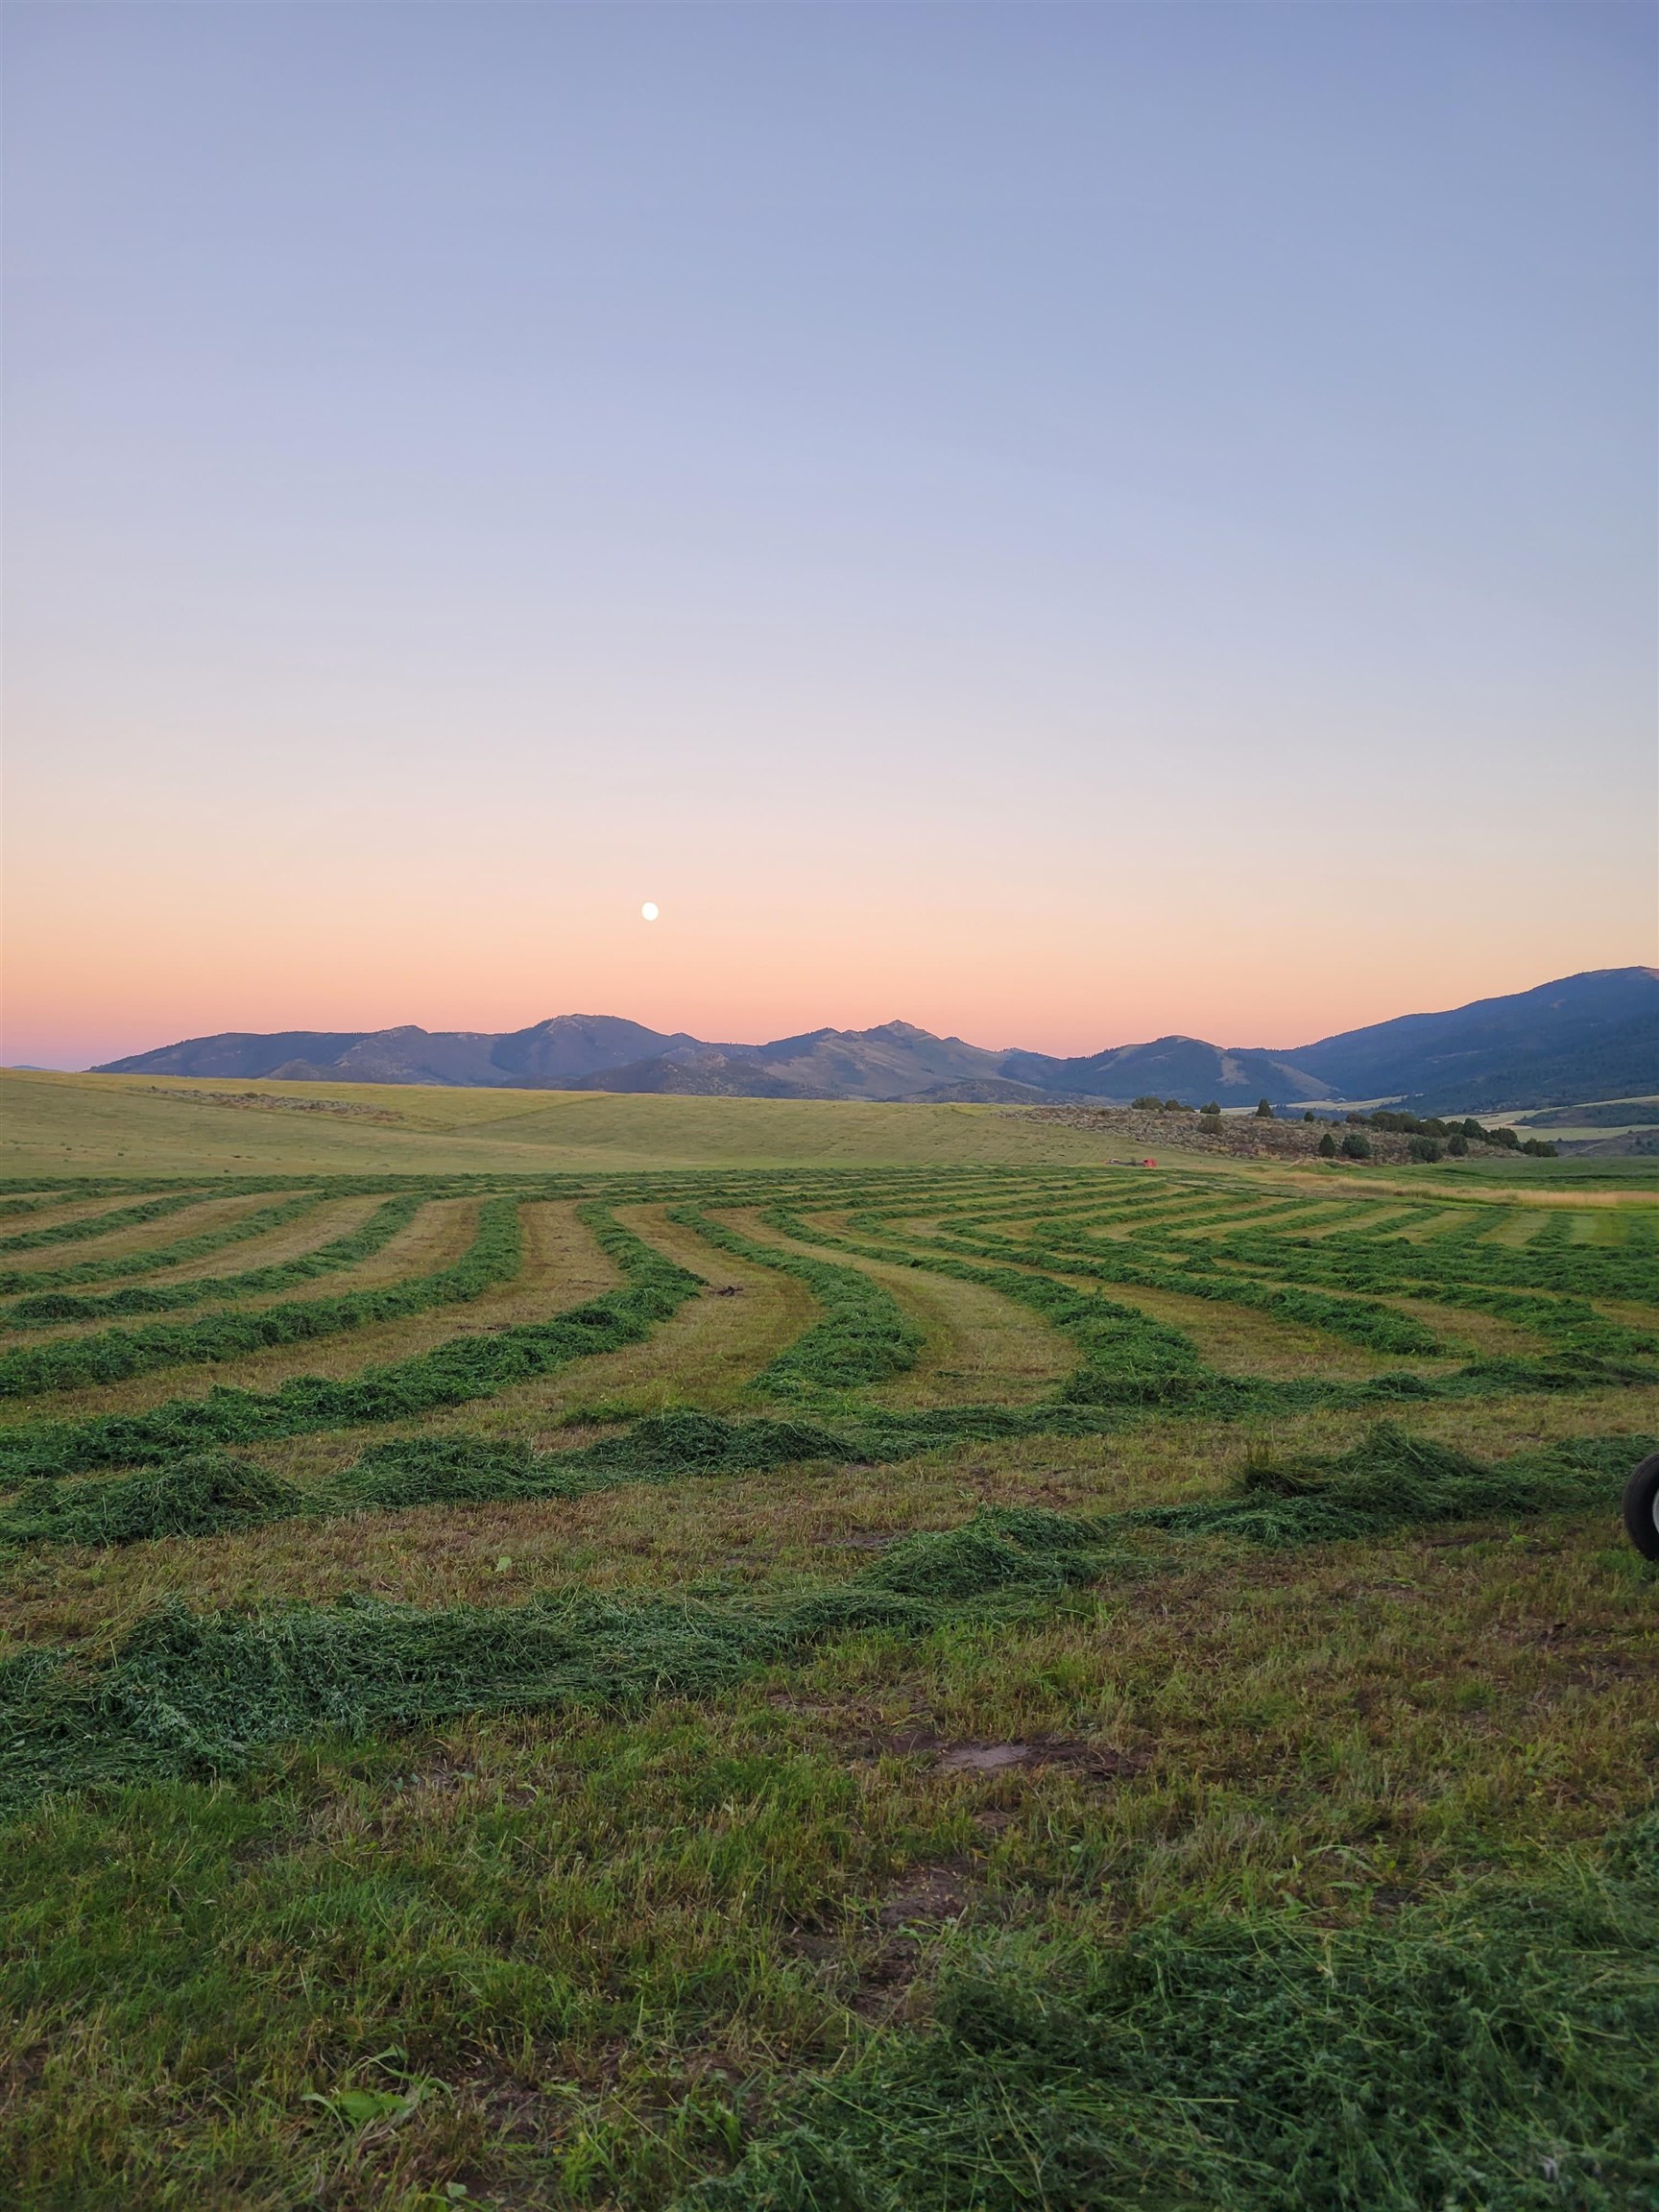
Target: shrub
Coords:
[(1148, 1104), (1308, 1116), (1538, 1148), (1212, 1108), (1425, 1150), (1457, 1145), (1173, 1106), (1327, 1147), (1356, 1146)]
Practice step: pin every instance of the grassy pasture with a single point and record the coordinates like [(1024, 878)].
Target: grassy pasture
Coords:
[(862, 1658), (116, 1125)]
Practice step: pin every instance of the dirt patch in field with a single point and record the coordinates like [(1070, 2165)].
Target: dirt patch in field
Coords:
[(264, 1103), (1042, 1751), (928, 1896), (1030, 1754)]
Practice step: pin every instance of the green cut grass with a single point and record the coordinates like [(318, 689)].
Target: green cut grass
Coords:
[(187, 1695), (1490, 2049), (461, 1369), (1034, 1684), (359, 1243), (864, 1338), (114, 1355)]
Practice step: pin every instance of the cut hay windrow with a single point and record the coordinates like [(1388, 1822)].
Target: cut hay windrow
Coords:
[(1361, 1321), (155, 1258), (190, 1693), (356, 1244), (865, 1336), (199, 1494), (664, 1446), (1390, 1481), (201, 1693), (1189, 1383), (12, 1207), (1222, 1852), (114, 1355), (1132, 1366), (1587, 1344), (105, 1225), (453, 1373), (203, 1493), (1128, 1358), (1568, 1320), (1393, 1481), (1352, 1262), (1073, 1250)]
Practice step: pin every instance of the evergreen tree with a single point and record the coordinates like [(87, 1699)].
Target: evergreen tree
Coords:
[(1327, 1147), (1264, 1111)]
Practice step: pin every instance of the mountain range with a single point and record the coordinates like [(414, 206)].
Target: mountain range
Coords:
[(1582, 1037)]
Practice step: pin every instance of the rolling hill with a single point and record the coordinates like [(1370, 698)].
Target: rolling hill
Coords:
[(1583, 1037), (553, 1053), (1591, 1036)]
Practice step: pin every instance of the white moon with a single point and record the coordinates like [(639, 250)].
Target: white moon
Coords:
[(649, 910)]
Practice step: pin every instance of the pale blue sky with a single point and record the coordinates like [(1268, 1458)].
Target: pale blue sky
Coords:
[(967, 505)]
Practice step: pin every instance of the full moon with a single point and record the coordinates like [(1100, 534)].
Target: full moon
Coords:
[(649, 910)]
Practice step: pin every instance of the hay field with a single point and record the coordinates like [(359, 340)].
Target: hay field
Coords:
[(163, 1125), (597, 1652)]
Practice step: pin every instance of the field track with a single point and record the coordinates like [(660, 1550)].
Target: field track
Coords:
[(890, 1684)]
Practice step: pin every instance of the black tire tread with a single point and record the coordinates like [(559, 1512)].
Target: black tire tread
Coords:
[(1641, 1499)]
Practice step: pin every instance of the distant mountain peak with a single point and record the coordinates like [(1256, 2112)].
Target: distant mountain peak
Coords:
[(1593, 1035)]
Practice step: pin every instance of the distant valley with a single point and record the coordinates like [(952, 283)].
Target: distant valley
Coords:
[(1593, 1036)]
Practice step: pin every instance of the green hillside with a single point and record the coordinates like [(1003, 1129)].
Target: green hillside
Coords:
[(131, 1124)]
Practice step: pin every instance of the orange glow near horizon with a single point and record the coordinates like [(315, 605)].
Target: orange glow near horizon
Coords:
[(1035, 522), (1049, 894), (116, 972)]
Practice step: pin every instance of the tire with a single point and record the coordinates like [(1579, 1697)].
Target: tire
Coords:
[(1642, 1508)]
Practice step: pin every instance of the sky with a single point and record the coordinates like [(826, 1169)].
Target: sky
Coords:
[(1061, 524)]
